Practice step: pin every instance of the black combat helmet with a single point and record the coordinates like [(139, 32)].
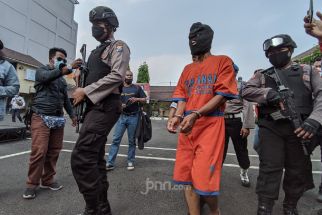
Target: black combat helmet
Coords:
[(104, 14), (281, 40)]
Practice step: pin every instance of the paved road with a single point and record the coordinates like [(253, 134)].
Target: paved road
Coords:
[(128, 189)]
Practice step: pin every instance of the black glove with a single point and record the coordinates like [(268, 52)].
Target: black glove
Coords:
[(273, 97), (311, 126)]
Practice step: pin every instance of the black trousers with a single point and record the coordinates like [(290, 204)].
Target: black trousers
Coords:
[(87, 160), (16, 113), (281, 149), (232, 130)]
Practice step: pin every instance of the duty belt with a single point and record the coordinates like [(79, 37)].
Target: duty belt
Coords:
[(233, 115)]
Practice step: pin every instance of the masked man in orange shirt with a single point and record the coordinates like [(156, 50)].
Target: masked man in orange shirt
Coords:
[(202, 90)]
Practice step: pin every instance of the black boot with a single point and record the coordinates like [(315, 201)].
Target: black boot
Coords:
[(289, 206), (265, 206), (90, 211), (105, 208), (104, 205), (91, 205)]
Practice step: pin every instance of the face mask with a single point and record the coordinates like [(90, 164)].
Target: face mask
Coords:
[(97, 32), (58, 64), (280, 59), (128, 81)]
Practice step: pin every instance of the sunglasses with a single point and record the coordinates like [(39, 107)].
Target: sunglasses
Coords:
[(61, 59)]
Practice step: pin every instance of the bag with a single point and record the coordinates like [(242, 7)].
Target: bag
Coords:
[(54, 122)]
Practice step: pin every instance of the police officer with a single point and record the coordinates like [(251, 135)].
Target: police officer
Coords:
[(239, 118), (106, 65), (280, 140)]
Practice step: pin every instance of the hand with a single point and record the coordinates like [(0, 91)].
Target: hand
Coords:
[(65, 70), (273, 98), (308, 129), (123, 105), (188, 122), (315, 28), (132, 100), (74, 121), (78, 95), (244, 132), (76, 63), (173, 124)]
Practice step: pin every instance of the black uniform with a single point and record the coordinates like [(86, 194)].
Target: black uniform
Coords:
[(88, 163), (279, 147)]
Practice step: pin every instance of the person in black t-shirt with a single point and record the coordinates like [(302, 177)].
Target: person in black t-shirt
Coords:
[(132, 96)]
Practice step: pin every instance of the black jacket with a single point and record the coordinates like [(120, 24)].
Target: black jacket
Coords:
[(143, 131), (51, 93)]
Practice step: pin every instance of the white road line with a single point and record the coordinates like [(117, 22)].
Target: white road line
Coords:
[(13, 155), (136, 156), (172, 149), (141, 157), (123, 145)]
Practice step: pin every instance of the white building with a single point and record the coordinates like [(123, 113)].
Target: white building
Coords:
[(31, 27)]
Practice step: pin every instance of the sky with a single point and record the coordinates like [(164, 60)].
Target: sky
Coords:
[(157, 31)]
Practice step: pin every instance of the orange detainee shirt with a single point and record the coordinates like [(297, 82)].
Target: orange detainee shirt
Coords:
[(201, 81)]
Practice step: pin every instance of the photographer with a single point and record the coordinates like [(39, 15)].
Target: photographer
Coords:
[(47, 122)]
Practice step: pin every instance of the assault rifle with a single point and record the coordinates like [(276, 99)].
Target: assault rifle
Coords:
[(80, 82), (289, 112)]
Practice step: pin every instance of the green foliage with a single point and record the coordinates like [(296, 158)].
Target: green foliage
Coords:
[(143, 74), (310, 58)]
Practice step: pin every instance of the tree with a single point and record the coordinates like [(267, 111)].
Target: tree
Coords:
[(143, 74), (309, 59)]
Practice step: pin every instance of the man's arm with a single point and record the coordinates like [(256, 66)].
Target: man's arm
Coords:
[(252, 90), (120, 57), (248, 115), (44, 75), (315, 28), (67, 104), (11, 85), (142, 96), (317, 93)]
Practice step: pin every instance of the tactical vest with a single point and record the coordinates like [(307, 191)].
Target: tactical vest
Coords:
[(293, 79), (97, 69)]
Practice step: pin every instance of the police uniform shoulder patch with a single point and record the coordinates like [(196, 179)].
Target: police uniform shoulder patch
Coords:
[(119, 47)]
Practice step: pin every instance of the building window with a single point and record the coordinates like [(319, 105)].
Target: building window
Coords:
[(30, 74)]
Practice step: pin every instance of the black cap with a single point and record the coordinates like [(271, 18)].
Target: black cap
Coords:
[(105, 14), (1, 45), (200, 38)]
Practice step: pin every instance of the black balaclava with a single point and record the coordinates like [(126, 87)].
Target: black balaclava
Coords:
[(200, 38)]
